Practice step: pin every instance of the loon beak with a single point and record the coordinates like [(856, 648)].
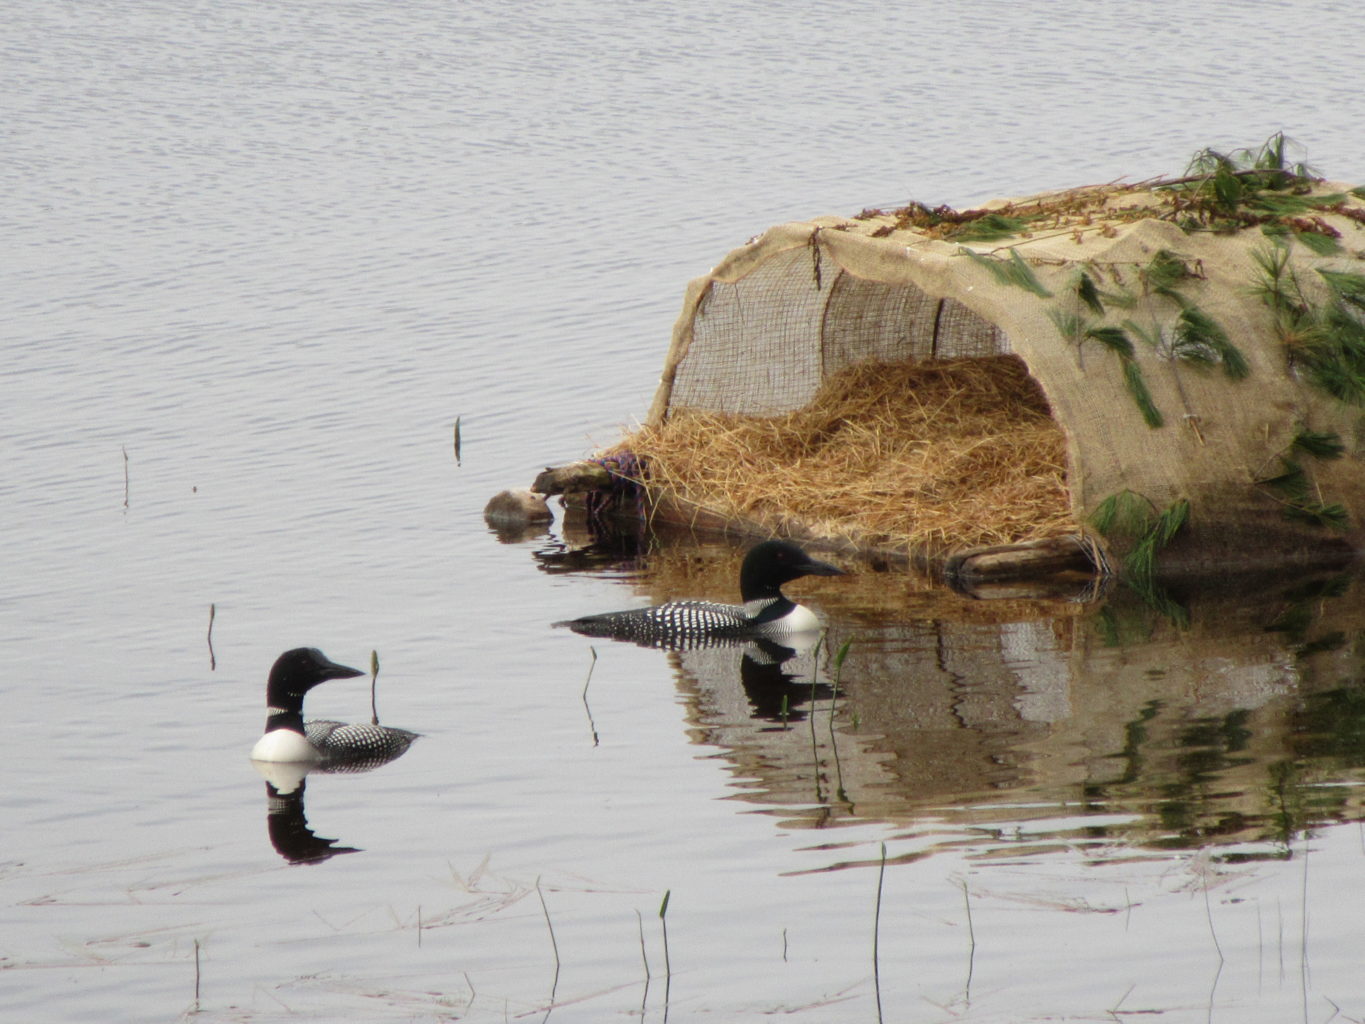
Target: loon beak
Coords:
[(331, 670), (814, 567)]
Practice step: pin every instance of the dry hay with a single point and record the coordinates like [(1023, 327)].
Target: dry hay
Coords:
[(934, 456)]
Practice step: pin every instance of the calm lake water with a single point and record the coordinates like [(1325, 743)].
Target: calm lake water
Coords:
[(260, 257)]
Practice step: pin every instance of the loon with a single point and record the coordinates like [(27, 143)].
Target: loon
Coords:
[(766, 611), (325, 745)]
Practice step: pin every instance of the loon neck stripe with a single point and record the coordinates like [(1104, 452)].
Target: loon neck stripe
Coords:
[(283, 718), (768, 609)]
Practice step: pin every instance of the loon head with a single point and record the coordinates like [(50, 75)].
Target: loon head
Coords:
[(298, 671), (774, 562)]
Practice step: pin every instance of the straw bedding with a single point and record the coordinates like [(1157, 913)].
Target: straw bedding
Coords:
[(933, 456)]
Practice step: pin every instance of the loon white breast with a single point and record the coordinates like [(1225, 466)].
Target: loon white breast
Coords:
[(326, 745), (766, 611)]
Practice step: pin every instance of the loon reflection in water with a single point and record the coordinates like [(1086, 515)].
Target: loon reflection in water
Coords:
[(774, 694), (289, 832), (285, 821)]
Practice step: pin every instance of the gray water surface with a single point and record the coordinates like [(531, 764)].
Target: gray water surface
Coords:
[(260, 258)]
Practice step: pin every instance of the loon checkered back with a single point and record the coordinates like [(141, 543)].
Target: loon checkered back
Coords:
[(678, 623), (325, 745), (356, 747), (766, 611)]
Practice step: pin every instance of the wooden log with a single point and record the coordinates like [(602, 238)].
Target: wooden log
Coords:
[(573, 478), (1030, 559)]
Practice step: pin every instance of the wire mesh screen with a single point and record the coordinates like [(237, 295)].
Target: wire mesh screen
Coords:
[(762, 345), (755, 343)]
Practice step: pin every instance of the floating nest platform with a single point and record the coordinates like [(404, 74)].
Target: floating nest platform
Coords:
[(1173, 368)]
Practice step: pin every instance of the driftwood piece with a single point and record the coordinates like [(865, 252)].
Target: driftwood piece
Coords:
[(516, 508), (1030, 559), (574, 478)]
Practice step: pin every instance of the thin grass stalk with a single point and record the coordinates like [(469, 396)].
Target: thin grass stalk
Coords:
[(213, 661), (876, 935), (663, 923), (644, 954), (591, 724), (668, 966), (971, 935), (814, 746), (374, 687), (833, 701), (554, 945), (1208, 913)]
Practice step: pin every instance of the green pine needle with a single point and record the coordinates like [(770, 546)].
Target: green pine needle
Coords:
[(1151, 338), (1331, 351), (990, 228), (1141, 561), (1171, 521), (1319, 243), (1088, 293), (1333, 517), (1123, 514), (1288, 204), (1137, 387), (1291, 481), (1350, 288), (1338, 380), (1116, 340), (1197, 333), (1071, 326), (1013, 272), (1140, 565), (1164, 271), (1319, 445), (1187, 350), (1112, 338), (1022, 274), (1227, 187), (1276, 285)]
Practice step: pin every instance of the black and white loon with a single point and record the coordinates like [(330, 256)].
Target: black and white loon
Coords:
[(766, 611), (325, 745)]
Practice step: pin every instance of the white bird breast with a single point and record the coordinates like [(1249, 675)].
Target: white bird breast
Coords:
[(284, 745), (799, 620)]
